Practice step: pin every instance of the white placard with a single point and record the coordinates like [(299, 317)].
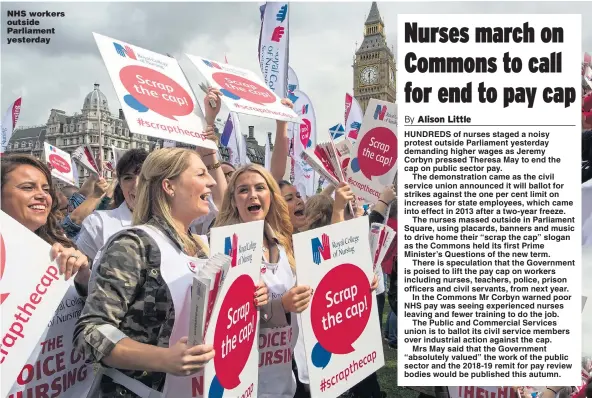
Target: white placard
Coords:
[(243, 91), (340, 327), (155, 95), (31, 290), (60, 164), (233, 328), (373, 163)]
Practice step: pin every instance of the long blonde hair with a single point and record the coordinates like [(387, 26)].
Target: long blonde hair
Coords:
[(277, 217), (162, 164)]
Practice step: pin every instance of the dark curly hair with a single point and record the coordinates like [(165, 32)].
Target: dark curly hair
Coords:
[(130, 162), (51, 232)]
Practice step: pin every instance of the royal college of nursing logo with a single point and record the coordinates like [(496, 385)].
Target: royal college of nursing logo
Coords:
[(380, 112), (279, 31), (231, 248), (124, 51), (321, 249)]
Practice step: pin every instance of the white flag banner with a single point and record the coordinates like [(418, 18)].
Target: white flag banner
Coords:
[(231, 140), (267, 155), (353, 117), (244, 158), (9, 122), (154, 93), (274, 46), (305, 137), (169, 144), (293, 85), (83, 155)]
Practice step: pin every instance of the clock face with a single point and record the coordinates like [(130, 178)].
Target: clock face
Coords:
[(369, 75)]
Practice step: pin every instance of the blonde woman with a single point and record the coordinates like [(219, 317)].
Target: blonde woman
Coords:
[(134, 321), (253, 195)]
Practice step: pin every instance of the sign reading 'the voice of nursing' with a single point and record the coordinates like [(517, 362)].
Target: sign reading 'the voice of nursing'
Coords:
[(156, 98), (340, 328), (38, 316), (243, 91)]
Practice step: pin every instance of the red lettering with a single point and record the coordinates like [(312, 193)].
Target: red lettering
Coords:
[(21, 380), (504, 392), (8, 340), (34, 298), (76, 356), (469, 392), (197, 386), (41, 391)]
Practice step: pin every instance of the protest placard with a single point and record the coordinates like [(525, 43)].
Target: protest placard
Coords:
[(39, 310), (340, 328), (243, 91), (373, 164), (156, 98), (233, 326), (60, 164)]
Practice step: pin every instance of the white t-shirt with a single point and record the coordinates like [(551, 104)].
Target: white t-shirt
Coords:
[(100, 226)]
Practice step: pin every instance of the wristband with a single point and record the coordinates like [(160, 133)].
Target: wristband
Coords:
[(214, 166), (209, 154)]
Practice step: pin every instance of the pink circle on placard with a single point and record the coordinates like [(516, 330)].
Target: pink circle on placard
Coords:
[(59, 163), (377, 152), (156, 91), (340, 308), (244, 88), (236, 327)]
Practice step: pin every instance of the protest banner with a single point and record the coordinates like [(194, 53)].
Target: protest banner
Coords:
[(60, 164), (155, 95), (234, 322), (243, 91), (340, 328), (39, 310), (374, 159)]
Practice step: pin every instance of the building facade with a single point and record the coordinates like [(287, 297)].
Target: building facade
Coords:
[(374, 63), (68, 132)]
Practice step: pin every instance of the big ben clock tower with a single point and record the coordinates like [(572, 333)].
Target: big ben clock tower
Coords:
[(374, 64)]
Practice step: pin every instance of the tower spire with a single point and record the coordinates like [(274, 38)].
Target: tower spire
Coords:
[(374, 16)]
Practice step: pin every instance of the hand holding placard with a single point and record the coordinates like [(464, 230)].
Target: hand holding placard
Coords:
[(297, 299), (184, 360)]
